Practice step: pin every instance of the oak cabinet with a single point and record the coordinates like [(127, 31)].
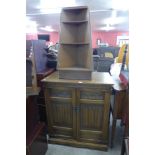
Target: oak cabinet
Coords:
[(78, 111)]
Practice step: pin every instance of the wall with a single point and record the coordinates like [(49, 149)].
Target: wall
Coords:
[(109, 37), (31, 36), (54, 36)]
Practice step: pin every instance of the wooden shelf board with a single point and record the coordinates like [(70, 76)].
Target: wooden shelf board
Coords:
[(75, 8), (75, 69), (75, 22)]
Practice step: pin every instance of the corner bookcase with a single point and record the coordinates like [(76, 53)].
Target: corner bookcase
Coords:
[(75, 51)]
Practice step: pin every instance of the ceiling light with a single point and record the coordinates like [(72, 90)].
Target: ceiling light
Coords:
[(107, 28), (47, 28), (114, 20)]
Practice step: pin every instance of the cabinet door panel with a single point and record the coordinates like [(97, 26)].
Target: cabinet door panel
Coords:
[(91, 94), (62, 114), (92, 116), (60, 108), (61, 92)]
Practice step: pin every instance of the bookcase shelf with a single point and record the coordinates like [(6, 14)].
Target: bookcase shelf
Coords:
[(74, 33), (74, 55), (75, 52), (75, 68), (75, 22), (74, 14), (75, 8)]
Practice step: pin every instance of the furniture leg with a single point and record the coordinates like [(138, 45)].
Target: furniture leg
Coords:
[(113, 131), (123, 148)]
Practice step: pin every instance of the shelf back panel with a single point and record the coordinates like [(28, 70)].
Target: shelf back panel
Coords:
[(75, 55), (74, 15), (72, 33)]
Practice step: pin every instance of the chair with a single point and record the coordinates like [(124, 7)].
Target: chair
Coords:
[(95, 61), (104, 64), (107, 57), (105, 60)]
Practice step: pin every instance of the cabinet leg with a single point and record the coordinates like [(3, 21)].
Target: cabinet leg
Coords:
[(113, 131), (123, 148)]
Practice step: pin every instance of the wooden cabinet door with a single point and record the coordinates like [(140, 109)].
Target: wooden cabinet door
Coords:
[(93, 115), (60, 103)]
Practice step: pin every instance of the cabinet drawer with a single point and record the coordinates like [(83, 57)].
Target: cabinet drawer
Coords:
[(92, 94), (61, 92)]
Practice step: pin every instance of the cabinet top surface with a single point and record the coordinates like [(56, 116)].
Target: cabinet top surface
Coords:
[(101, 78)]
